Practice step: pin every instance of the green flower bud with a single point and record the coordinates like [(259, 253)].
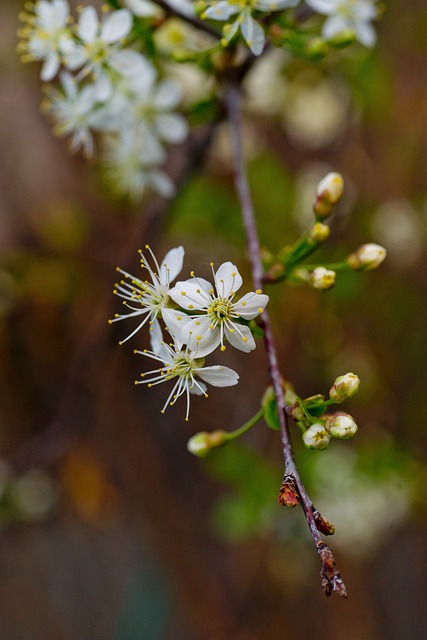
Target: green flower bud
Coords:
[(344, 387), (340, 425), (368, 256), (201, 443), (322, 279), (344, 38), (319, 232), (316, 437)]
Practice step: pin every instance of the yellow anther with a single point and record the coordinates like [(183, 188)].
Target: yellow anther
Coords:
[(234, 274), (223, 347), (211, 264), (179, 318), (260, 310), (190, 306), (198, 337), (192, 274), (197, 322), (244, 339), (183, 293)]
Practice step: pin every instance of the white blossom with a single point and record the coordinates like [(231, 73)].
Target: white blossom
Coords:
[(182, 366), (145, 298), (131, 160), (100, 45), (74, 113), (142, 102), (322, 279), (251, 30), (46, 34), (215, 312), (356, 15)]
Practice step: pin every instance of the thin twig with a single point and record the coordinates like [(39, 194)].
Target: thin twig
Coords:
[(331, 579)]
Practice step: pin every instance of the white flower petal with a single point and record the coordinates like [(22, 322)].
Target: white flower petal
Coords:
[(365, 34), (175, 322), (156, 340), (143, 8), (168, 95), (227, 279), (130, 63), (50, 67), (324, 7), (116, 26), (189, 295), (241, 337), (218, 376), (171, 265), (198, 389), (335, 25), (251, 305), (172, 127), (253, 34), (162, 184), (222, 10), (200, 337), (87, 28)]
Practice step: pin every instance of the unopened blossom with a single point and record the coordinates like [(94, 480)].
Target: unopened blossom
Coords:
[(238, 15), (341, 425), (145, 298), (368, 256), (322, 279), (45, 34), (355, 15), (74, 112), (344, 387), (203, 442), (215, 313), (185, 369), (316, 437)]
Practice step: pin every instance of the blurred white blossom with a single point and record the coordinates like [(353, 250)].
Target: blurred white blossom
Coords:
[(240, 11), (355, 15)]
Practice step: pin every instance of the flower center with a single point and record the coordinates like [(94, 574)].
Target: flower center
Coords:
[(220, 309)]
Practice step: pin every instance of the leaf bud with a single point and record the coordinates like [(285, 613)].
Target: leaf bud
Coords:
[(322, 279), (329, 192), (316, 49), (344, 387), (201, 443), (319, 232), (340, 425), (316, 437), (368, 256)]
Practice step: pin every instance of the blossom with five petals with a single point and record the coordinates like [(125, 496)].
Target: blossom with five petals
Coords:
[(183, 366), (215, 310)]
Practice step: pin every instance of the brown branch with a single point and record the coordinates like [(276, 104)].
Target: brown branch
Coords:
[(331, 579)]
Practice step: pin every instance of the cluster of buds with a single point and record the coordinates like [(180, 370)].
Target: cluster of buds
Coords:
[(318, 427), (337, 425)]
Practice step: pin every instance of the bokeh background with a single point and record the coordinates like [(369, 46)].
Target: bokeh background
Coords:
[(109, 529)]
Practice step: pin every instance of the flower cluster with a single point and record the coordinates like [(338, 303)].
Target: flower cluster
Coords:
[(198, 315), (108, 88)]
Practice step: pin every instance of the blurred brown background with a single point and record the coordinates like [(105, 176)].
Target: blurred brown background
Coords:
[(109, 529)]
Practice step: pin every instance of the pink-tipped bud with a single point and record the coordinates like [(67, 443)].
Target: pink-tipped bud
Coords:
[(316, 437), (344, 387), (322, 279), (341, 425), (368, 256)]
